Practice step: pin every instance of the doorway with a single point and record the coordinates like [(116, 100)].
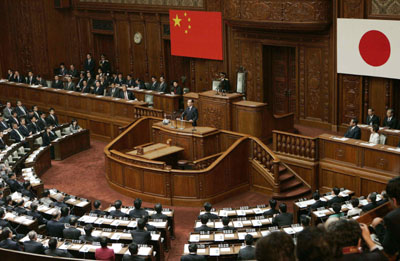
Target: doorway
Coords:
[(104, 44)]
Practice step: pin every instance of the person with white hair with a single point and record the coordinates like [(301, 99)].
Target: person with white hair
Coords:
[(32, 245)]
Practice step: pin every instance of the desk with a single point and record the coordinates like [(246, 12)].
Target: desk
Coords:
[(167, 102), (392, 136), (156, 151), (71, 144), (41, 162)]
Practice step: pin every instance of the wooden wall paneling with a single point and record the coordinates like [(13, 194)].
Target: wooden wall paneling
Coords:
[(153, 43), (379, 95), (185, 186), (83, 37), (123, 43), (352, 8), (138, 50), (350, 88)]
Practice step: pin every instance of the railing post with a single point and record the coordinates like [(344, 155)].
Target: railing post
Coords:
[(275, 168)]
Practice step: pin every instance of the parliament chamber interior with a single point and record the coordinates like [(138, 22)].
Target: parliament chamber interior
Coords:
[(200, 130)]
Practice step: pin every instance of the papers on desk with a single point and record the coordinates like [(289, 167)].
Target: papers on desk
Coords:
[(155, 237), (304, 204), (132, 224), (256, 223), (117, 247), (237, 224), (265, 232), (214, 251), (340, 138), (394, 149), (219, 237), (240, 212), (218, 224), (367, 144), (289, 230), (242, 235), (116, 236), (321, 213), (87, 219), (82, 204), (205, 237), (298, 229), (96, 233), (145, 251), (64, 246), (257, 211), (229, 235), (391, 130), (194, 238)]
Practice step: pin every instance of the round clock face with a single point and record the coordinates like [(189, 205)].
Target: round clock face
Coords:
[(137, 38)]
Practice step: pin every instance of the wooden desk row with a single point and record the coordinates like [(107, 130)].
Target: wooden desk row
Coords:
[(392, 136), (39, 160), (71, 144)]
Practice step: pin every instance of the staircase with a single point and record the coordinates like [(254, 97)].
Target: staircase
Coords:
[(290, 185)]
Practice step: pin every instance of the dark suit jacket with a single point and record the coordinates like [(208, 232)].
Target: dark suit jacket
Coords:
[(284, 219), (98, 91), (117, 213), (57, 252), (32, 80), (154, 86), (71, 233), (85, 89), (55, 228), (12, 120), (2, 144), (69, 87), (98, 212), (21, 112), (89, 66), (52, 121), (14, 185), (127, 257), (5, 223), (42, 82), (177, 90), (191, 114), (162, 87), (130, 95), (20, 79), (137, 213), (353, 132), (33, 247), (115, 94), (335, 199), (392, 124), (159, 216), (9, 244), (369, 207), (270, 212), (105, 66), (140, 236), (120, 81), (14, 135), (34, 128), (3, 126), (57, 85), (42, 123), (247, 253), (73, 73), (23, 130), (371, 120), (89, 239), (316, 205), (204, 228), (193, 257), (46, 141), (391, 237), (209, 215), (41, 220), (131, 82)]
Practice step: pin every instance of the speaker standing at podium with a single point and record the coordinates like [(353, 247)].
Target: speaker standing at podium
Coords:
[(191, 113)]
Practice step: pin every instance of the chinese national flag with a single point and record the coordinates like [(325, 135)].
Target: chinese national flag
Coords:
[(196, 34)]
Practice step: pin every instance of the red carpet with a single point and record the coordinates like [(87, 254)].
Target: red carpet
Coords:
[(83, 175)]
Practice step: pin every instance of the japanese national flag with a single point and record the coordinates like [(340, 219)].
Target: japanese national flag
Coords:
[(368, 47)]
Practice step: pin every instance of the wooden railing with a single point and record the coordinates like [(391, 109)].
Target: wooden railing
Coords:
[(206, 161), (141, 111), (295, 145)]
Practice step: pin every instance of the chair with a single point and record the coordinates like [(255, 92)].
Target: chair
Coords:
[(21, 151), (58, 133), (147, 85), (66, 131), (382, 139), (39, 141)]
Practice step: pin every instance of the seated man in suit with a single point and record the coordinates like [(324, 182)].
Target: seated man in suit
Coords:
[(162, 86), (140, 235), (4, 222), (65, 215), (176, 89), (33, 127), (204, 227), (10, 74), (372, 119), (27, 191), (54, 251), (15, 134), (120, 80), (224, 84), (3, 124), (47, 138), (46, 199), (54, 227), (52, 118), (154, 83), (13, 183), (159, 215), (32, 245), (13, 119), (88, 234), (390, 121), (21, 110), (317, 204), (371, 202), (132, 254), (36, 214), (7, 111), (85, 88), (208, 214), (3, 144), (23, 129), (193, 256), (130, 81), (98, 89), (272, 211), (113, 91), (72, 72), (336, 198), (190, 113), (70, 85), (41, 81), (72, 232), (147, 226), (353, 132), (139, 84), (249, 251), (42, 123), (7, 242), (31, 80), (97, 209), (117, 212), (337, 209), (57, 83), (225, 223), (18, 78), (138, 211), (284, 218), (355, 210), (125, 94)]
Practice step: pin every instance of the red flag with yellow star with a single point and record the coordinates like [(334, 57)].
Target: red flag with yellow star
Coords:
[(196, 34)]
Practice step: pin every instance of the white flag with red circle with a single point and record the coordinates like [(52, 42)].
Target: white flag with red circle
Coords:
[(368, 47)]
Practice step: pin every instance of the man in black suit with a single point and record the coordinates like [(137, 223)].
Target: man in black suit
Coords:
[(90, 80), (372, 119), (4, 223), (57, 83), (113, 91), (70, 85), (117, 212), (207, 207), (138, 211), (120, 80), (224, 84), (36, 111), (13, 119), (2, 142), (162, 87), (204, 227), (336, 198), (13, 183), (284, 218), (132, 256), (249, 251), (97, 209), (353, 132), (372, 202), (72, 232), (176, 89), (62, 70), (33, 126), (10, 74), (3, 124), (32, 246), (54, 227), (41, 81), (21, 110), (159, 215), (15, 134), (154, 83), (193, 256), (27, 191), (191, 113), (225, 225), (36, 214), (317, 204), (23, 129), (98, 90), (54, 251), (85, 88), (52, 118), (130, 81), (104, 64), (65, 215), (42, 123), (125, 94), (139, 235), (31, 80), (88, 235), (7, 242), (18, 78), (72, 72), (89, 64), (272, 211), (390, 121)]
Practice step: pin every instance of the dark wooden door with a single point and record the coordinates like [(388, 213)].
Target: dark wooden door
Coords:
[(104, 44), (176, 67), (280, 78)]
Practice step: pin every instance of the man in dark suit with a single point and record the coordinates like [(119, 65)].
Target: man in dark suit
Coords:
[(104, 64), (125, 94), (204, 227), (32, 246), (117, 212), (140, 84), (249, 251), (159, 215), (390, 121), (113, 91), (272, 211), (70, 85), (336, 198), (207, 207), (90, 80), (54, 227), (52, 118), (284, 218), (154, 83), (138, 211), (62, 70), (36, 111), (120, 80), (13, 119), (139, 235), (130, 81), (13, 183), (89, 64), (97, 209), (7, 242), (191, 113), (42, 123), (98, 90), (176, 89), (4, 223), (18, 78), (36, 214), (372, 119), (54, 251), (72, 72), (225, 223), (88, 235), (372, 202), (31, 80), (15, 134), (65, 214), (72, 232), (21, 110), (353, 132), (85, 88), (41, 81), (2, 142), (132, 256), (23, 129), (162, 87), (57, 83), (193, 256), (7, 111), (224, 84), (317, 204), (33, 126), (3, 124), (10, 75)]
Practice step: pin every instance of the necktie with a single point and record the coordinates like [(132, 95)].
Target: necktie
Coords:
[(20, 136), (126, 95)]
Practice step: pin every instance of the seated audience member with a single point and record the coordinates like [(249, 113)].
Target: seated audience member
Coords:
[(54, 227), (14, 118), (13, 183), (85, 87), (113, 91), (42, 123), (162, 86), (176, 89), (208, 214), (337, 207), (305, 220), (272, 211), (317, 204), (138, 211), (385, 198), (62, 70), (72, 232), (3, 144), (65, 215), (204, 220), (159, 215), (372, 119), (7, 242), (117, 212), (52, 118), (284, 218), (97, 208), (355, 210), (70, 85), (23, 129), (313, 245), (3, 124), (18, 78), (57, 83), (32, 246), (346, 236), (374, 137), (147, 225), (193, 256), (74, 127), (89, 79), (277, 246), (10, 74), (154, 83), (80, 82), (19, 208), (46, 199), (47, 138), (225, 223), (132, 255), (54, 251), (125, 94), (139, 84), (21, 110), (40, 81), (249, 251), (72, 72), (336, 198), (8, 110), (120, 80), (88, 234), (33, 127), (371, 202), (353, 132), (98, 89), (31, 80), (140, 235), (390, 121), (4, 222), (130, 81), (388, 228), (36, 214)]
